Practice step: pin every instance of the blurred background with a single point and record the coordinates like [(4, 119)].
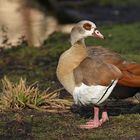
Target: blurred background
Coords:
[(37, 32), (36, 20)]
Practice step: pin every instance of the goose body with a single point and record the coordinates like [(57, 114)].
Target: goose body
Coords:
[(129, 84), (79, 74), (91, 75)]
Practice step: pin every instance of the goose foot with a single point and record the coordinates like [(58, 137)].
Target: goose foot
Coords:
[(91, 124), (95, 123)]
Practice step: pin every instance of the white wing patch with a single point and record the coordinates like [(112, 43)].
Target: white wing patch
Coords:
[(85, 95)]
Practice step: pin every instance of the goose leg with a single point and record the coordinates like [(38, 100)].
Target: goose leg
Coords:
[(95, 122), (105, 117)]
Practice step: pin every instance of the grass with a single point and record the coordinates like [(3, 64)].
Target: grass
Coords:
[(65, 126), (20, 96), (39, 64)]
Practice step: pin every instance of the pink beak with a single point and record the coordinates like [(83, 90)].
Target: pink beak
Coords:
[(98, 35)]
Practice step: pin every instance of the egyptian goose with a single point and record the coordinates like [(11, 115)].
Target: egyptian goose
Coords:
[(90, 75)]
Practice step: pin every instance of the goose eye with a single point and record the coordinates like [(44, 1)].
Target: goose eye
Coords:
[(97, 32), (87, 26)]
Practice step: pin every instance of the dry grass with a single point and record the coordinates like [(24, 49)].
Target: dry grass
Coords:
[(19, 96)]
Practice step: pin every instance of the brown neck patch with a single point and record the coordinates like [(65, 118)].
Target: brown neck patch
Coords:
[(87, 26)]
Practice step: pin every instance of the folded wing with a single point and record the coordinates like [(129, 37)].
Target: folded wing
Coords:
[(95, 72)]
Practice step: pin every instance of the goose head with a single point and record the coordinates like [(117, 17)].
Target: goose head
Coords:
[(84, 29)]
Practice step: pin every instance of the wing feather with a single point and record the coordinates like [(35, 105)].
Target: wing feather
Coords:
[(96, 72)]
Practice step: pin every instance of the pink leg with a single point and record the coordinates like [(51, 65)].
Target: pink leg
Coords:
[(105, 117), (95, 122)]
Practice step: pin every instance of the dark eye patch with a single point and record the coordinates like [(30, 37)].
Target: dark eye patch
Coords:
[(87, 26)]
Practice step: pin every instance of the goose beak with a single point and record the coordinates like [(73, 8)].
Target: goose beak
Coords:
[(98, 35)]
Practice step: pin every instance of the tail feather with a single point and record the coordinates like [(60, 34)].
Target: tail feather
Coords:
[(132, 68), (131, 75)]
